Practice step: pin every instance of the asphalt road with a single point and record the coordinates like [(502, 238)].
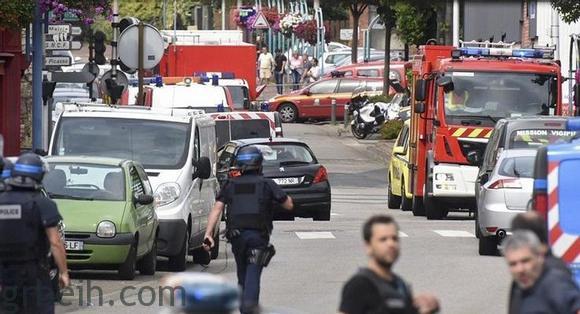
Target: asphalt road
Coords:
[(315, 258)]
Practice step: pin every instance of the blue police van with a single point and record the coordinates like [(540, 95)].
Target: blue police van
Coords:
[(556, 196)]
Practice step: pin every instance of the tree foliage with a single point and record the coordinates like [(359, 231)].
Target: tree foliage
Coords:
[(15, 14), (568, 9), (411, 22), (356, 8)]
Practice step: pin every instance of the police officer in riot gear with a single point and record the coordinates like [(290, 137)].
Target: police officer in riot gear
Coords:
[(28, 230), (249, 199)]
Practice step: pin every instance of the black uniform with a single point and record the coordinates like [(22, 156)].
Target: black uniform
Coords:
[(367, 293), (24, 246), (249, 213)]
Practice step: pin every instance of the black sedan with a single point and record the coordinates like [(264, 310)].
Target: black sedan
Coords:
[(293, 166)]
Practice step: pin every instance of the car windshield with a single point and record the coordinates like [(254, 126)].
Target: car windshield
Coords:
[(286, 154), (537, 138), (240, 96), (482, 98), (228, 130), (518, 167), (154, 144), (85, 182)]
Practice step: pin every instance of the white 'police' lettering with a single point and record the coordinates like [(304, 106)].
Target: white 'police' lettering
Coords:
[(10, 212)]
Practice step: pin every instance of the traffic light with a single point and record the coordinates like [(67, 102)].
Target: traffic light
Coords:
[(100, 48)]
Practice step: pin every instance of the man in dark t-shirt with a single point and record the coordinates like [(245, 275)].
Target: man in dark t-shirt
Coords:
[(376, 289), (538, 288), (280, 60)]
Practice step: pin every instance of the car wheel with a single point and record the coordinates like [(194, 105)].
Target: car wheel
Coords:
[(406, 203), (418, 207), (433, 209), (148, 263), (288, 113), (488, 246), (394, 201), (215, 250), (323, 215), (127, 269), (178, 262)]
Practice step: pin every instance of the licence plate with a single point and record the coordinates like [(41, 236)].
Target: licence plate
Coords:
[(74, 245), (287, 181)]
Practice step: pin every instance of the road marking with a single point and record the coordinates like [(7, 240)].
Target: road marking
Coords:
[(403, 235), (454, 233), (314, 235), (335, 214)]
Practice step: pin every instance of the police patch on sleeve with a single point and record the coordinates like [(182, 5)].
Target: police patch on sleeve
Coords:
[(10, 212)]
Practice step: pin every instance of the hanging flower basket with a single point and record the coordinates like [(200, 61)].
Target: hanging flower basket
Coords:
[(85, 10), (243, 14), (289, 22)]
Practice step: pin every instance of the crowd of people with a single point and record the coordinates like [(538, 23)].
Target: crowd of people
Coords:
[(297, 70)]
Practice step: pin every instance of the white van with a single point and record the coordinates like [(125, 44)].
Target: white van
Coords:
[(176, 148)]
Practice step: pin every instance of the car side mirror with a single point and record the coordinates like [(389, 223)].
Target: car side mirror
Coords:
[(420, 107), (399, 150), (447, 83), (474, 158), (420, 90), (483, 179), (144, 199), (203, 168)]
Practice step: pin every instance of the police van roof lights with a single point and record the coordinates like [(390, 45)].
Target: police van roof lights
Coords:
[(573, 124), (503, 52), (220, 75)]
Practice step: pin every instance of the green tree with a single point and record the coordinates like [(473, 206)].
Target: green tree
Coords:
[(569, 9), (356, 8)]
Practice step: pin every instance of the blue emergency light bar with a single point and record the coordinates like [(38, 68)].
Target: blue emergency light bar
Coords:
[(220, 75), (504, 52), (573, 124)]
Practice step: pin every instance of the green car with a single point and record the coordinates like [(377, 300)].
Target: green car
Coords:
[(109, 214)]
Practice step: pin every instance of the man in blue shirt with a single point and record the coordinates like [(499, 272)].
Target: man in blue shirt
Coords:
[(541, 289)]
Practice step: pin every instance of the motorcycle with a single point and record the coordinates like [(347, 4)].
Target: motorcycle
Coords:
[(370, 118)]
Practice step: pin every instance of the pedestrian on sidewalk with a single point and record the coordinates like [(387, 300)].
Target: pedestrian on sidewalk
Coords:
[(279, 70), (377, 289), (537, 288), (297, 68), (313, 73), (266, 64)]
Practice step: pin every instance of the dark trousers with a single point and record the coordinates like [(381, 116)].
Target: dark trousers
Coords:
[(248, 273), (26, 289), (297, 77), (279, 81)]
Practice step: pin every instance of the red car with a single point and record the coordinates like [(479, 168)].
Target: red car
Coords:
[(315, 100), (375, 69)]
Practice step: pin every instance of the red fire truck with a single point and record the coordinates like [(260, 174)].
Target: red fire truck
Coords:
[(458, 96)]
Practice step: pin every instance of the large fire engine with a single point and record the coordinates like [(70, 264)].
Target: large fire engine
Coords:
[(458, 96)]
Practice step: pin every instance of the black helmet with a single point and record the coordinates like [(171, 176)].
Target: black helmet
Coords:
[(249, 158), (28, 166), (7, 169)]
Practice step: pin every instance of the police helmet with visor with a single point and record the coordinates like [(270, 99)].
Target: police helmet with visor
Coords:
[(28, 170), (7, 169), (249, 158)]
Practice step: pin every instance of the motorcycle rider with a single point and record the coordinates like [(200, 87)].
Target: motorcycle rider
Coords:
[(249, 198), (28, 230)]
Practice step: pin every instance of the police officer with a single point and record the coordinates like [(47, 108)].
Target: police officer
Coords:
[(28, 230), (5, 171), (249, 198)]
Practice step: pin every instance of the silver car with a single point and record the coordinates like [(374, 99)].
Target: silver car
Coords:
[(503, 194)]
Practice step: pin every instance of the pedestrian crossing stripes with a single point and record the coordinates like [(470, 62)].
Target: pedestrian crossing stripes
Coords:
[(454, 233), (314, 235)]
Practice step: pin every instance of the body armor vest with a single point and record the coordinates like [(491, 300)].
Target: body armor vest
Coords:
[(248, 209)]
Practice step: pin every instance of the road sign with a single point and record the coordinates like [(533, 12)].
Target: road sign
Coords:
[(62, 45), (261, 22), (67, 17), (63, 28), (128, 44), (57, 61), (70, 77), (345, 34)]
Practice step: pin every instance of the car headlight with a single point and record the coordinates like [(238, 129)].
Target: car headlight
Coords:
[(444, 177), (167, 193), (106, 229)]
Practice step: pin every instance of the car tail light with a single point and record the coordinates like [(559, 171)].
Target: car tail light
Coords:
[(505, 184), (321, 175), (540, 204)]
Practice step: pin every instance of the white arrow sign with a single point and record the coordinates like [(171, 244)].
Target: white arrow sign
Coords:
[(62, 45), (63, 28), (57, 61)]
